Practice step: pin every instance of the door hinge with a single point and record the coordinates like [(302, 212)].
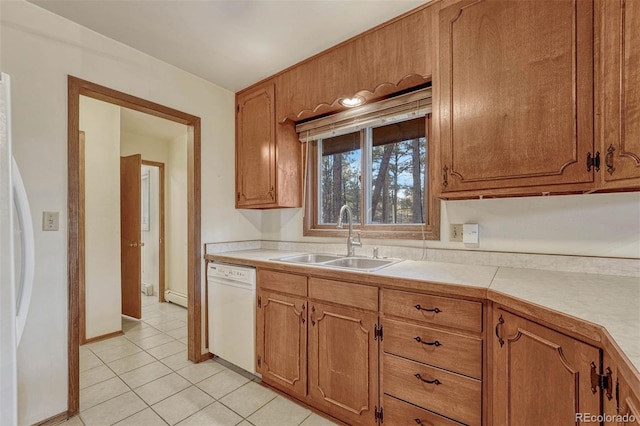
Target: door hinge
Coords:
[(259, 301), (617, 395), (593, 161), (238, 196), (378, 414), (259, 361), (237, 108), (377, 332), (602, 381)]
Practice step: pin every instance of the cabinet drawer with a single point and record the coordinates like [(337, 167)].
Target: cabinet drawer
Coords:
[(285, 283), (445, 311), (398, 412), (349, 294), (450, 351), (452, 395)]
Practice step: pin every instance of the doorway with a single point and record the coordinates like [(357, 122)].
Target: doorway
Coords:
[(76, 88)]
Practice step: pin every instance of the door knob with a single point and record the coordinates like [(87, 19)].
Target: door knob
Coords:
[(141, 244), (133, 244)]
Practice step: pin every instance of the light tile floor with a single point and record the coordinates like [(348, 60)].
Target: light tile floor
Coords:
[(144, 378)]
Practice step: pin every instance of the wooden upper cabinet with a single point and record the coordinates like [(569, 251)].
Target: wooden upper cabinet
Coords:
[(267, 154), (540, 376), (516, 95), (620, 91), (384, 60)]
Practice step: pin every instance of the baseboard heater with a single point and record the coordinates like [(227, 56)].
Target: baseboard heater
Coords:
[(175, 297)]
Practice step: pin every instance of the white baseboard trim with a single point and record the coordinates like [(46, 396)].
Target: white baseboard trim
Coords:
[(175, 297)]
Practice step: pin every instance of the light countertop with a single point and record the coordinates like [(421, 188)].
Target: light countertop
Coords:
[(612, 302)]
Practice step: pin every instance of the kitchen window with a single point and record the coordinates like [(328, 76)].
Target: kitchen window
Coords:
[(376, 160)]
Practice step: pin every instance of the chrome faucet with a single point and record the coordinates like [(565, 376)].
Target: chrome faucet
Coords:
[(351, 241)]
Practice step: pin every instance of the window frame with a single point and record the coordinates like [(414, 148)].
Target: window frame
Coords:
[(430, 230)]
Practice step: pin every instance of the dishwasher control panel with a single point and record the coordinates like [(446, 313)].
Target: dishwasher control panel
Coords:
[(237, 273)]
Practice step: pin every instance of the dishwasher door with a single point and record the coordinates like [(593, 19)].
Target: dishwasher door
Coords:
[(232, 308)]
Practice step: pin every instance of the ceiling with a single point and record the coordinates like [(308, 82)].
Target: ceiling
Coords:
[(232, 43)]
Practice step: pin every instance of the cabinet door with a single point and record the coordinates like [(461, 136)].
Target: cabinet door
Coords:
[(628, 404), (343, 363), (255, 147), (540, 376), (282, 341), (516, 95), (620, 75)]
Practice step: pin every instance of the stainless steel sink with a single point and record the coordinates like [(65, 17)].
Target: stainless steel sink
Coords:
[(309, 258), (361, 263), (366, 264)]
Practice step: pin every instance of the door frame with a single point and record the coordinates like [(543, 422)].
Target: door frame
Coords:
[(75, 246), (161, 246)]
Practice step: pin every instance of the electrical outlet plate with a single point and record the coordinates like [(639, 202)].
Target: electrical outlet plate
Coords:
[(455, 234)]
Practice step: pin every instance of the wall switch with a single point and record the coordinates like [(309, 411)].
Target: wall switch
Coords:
[(470, 234), (50, 221), (456, 233)]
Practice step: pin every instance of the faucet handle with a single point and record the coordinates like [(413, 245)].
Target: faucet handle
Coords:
[(356, 241), (375, 252)]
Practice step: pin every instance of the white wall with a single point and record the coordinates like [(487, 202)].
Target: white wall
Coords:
[(587, 225), (101, 123), (151, 236), (176, 212), (39, 50)]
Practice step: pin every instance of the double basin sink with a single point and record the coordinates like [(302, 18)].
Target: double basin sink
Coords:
[(366, 264)]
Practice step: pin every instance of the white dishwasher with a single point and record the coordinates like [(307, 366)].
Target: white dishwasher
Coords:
[(232, 311)]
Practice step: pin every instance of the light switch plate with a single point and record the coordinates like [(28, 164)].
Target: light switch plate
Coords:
[(455, 234), (50, 221), (470, 235)]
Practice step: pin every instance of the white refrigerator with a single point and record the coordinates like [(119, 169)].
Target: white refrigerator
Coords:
[(17, 261)]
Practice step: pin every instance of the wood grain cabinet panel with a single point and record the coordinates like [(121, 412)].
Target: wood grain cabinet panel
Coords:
[(540, 376), (441, 311), (282, 341), (620, 73), (452, 395), (343, 363), (268, 155), (627, 403), (516, 95), (400, 413), (454, 352), (393, 57)]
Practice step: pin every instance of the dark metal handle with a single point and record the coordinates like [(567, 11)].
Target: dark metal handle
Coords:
[(418, 421), (420, 308), (302, 314), (313, 321), (434, 343), (431, 382), (500, 322), (445, 181), (608, 160)]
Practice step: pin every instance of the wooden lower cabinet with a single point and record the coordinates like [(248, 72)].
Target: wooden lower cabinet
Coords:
[(401, 413), (540, 376), (343, 362), (628, 404), (282, 341)]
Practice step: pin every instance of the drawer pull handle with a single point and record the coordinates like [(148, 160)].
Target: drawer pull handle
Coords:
[(420, 308), (500, 322), (431, 382), (434, 343), (418, 421)]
